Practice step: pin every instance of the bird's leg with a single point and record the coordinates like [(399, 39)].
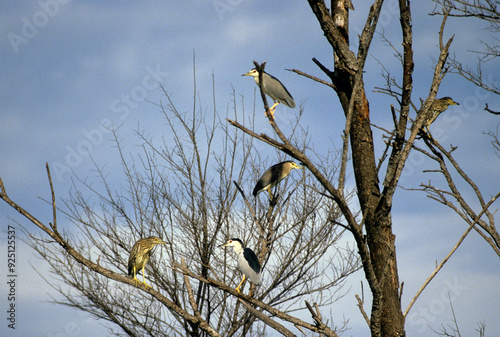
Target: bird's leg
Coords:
[(271, 109), (135, 277), (144, 277), (271, 196), (428, 133), (239, 285)]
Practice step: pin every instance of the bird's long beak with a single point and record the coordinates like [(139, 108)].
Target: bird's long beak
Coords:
[(455, 103), (223, 245), (246, 74)]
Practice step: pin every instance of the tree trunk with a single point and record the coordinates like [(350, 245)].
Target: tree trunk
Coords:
[(386, 316)]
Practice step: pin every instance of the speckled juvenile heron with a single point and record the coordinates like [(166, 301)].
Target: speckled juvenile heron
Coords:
[(139, 256), (248, 263), (437, 107), (273, 176), (273, 88)]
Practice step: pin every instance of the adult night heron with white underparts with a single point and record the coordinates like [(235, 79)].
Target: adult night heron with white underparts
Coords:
[(437, 107), (273, 88), (273, 176), (139, 256), (248, 263)]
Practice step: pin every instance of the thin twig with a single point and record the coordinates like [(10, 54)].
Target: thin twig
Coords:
[(440, 266), (267, 320), (190, 291), (312, 77), (490, 111), (53, 195), (362, 310)]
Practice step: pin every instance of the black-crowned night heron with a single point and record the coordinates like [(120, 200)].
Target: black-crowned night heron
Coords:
[(437, 107), (273, 176), (248, 263), (273, 88), (139, 256)]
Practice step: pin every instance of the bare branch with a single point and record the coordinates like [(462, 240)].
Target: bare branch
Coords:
[(491, 111), (312, 77), (53, 198), (323, 329), (273, 324), (362, 310), (440, 266)]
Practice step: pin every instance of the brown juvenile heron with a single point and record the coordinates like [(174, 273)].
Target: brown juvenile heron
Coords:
[(273, 176), (139, 256), (437, 107)]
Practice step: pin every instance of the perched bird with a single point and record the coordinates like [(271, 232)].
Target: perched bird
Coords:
[(248, 263), (273, 176), (437, 107), (273, 88), (139, 256)]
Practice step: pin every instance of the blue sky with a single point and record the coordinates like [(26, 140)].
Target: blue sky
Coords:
[(72, 68)]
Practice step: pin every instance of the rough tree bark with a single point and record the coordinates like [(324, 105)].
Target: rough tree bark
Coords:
[(386, 316)]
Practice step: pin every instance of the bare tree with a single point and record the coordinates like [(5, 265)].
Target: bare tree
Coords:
[(373, 233), (189, 189), (192, 194), (486, 11)]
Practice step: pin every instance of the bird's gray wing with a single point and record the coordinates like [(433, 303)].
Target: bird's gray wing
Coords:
[(284, 95)]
